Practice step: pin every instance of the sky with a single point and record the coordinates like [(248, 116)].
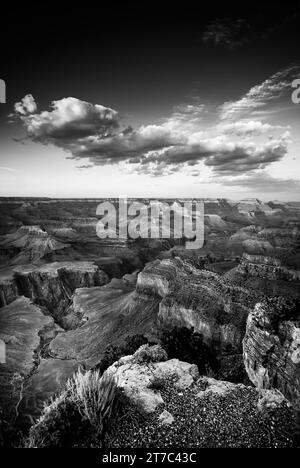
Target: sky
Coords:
[(164, 101)]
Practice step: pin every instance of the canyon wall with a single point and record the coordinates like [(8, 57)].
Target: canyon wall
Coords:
[(271, 348)]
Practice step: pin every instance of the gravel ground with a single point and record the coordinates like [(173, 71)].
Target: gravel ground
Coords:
[(230, 420)]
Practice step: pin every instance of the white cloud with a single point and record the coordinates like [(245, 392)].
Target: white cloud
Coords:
[(27, 105), (258, 96), (93, 133), (252, 127)]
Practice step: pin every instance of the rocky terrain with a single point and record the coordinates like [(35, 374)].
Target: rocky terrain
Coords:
[(161, 403), (227, 315)]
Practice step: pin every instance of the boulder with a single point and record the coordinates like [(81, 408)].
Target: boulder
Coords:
[(138, 374)]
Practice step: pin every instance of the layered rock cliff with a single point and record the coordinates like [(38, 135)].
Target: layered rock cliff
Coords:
[(198, 299), (272, 347), (51, 285)]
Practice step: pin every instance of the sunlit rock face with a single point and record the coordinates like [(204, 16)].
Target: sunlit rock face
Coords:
[(198, 299), (272, 347)]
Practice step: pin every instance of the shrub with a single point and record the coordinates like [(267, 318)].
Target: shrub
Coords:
[(79, 415), (114, 353), (148, 353), (94, 395), (187, 345)]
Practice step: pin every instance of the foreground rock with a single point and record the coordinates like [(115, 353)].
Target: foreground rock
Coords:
[(272, 347), (139, 376), (167, 404), (164, 403)]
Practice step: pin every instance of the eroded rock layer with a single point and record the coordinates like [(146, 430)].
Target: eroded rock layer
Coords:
[(198, 299), (51, 285), (272, 348)]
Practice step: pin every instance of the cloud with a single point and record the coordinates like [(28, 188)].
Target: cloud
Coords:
[(69, 120), (92, 131), (265, 183), (8, 169), (252, 127), (27, 105), (193, 134), (230, 33), (260, 95), (223, 156)]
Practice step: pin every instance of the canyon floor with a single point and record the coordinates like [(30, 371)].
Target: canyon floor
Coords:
[(225, 320)]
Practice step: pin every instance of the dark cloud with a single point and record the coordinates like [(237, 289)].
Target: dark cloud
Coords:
[(223, 156)]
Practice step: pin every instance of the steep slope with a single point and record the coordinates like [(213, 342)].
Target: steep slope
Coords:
[(22, 327), (272, 347), (104, 316), (198, 299)]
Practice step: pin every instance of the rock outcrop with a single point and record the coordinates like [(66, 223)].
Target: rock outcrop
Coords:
[(167, 404), (272, 347), (198, 299), (140, 375)]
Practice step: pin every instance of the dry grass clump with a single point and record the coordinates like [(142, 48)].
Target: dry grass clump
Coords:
[(79, 415), (94, 395)]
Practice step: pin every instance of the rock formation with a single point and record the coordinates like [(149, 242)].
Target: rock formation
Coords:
[(29, 244), (51, 285), (138, 374), (181, 409), (198, 299), (107, 315), (272, 347)]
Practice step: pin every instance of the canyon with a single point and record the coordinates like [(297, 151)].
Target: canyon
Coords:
[(70, 300)]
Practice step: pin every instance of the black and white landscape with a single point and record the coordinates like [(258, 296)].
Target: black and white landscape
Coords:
[(143, 342)]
